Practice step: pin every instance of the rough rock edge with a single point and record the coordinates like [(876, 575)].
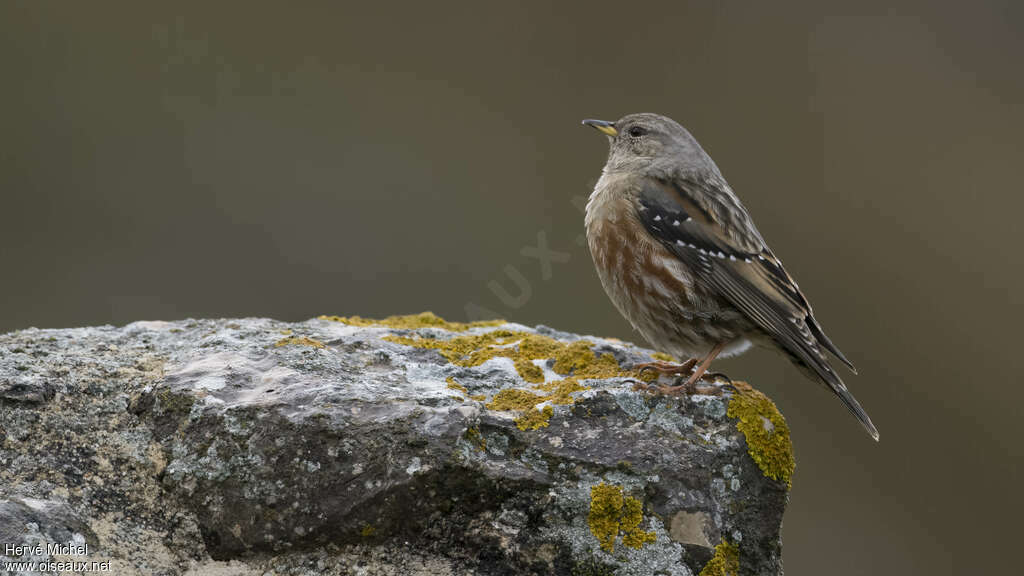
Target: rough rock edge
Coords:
[(28, 390)]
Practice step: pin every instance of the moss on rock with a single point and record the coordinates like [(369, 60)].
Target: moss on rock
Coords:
[(766, 431), (514, 399), (527, 370), (474, 436), (453, 385), (413, 321), (299, 341), (578, 358), (575, 359), (725, 562), (560, 391), (572, 359), (612, 513), (533, 418)]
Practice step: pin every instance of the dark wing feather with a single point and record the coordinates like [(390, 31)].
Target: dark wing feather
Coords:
[(704, 225)]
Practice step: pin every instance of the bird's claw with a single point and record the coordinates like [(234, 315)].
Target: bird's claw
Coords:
[(639, 386), (690, 389), (686, 388), (684, 373), (667, 367)]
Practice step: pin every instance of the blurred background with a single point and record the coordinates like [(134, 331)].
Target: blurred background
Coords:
[(163, 162)]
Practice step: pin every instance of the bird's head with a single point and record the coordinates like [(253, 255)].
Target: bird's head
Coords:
[(650, 142)]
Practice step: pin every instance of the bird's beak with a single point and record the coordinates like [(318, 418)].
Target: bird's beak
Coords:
[(602, 125)]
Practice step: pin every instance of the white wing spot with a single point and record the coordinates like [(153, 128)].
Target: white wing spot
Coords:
[(675, 222), (657, 218), (680, 243), (731, 257)]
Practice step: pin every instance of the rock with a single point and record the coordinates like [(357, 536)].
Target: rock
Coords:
[(30, 523), (406, 446)]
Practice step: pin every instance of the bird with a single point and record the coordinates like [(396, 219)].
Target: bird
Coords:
[(680, 257)]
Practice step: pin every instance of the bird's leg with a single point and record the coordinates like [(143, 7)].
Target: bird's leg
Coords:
[(704, 365), (667, 367), (690, 386)]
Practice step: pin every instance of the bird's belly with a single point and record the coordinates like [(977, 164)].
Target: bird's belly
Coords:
[(659, 296)]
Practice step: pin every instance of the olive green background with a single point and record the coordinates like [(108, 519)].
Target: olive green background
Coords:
[(171, 162)]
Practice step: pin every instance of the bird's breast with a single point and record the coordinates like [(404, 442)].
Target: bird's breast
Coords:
[(645, 282), (656, 291)]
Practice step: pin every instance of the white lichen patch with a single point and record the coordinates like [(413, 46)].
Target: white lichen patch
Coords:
[(549, 374), (414, 466)]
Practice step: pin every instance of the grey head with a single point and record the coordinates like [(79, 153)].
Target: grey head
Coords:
[(652, 144)]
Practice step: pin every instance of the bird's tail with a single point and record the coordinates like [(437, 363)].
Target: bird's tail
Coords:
[(823, 370), (851, 403), (824, 373)]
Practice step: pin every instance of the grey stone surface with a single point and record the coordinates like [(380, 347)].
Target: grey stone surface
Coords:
[(253, 446)]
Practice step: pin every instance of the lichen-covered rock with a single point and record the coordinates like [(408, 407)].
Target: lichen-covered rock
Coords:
[(405, 446)]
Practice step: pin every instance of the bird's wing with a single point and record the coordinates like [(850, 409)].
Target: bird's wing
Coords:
[(704, 225)]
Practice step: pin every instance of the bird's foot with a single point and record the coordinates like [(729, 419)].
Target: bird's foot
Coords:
[(688, 387), (667, 367)]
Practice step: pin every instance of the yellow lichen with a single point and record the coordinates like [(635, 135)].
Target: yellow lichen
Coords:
[(452, 384), (647, 376), (575, 359), (612, 514), (632, 515), (579, 360), (535, 346), (367, 531), (413, 321), (725, 562), (469, 350), (478, 397), (474, 436), (528, 370), (766, 432), (559, 392), (533, 419), (514, 399), (300, 341), (605, 510), (663, 357)]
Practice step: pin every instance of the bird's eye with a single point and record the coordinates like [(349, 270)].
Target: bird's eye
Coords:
[(637, 131)]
